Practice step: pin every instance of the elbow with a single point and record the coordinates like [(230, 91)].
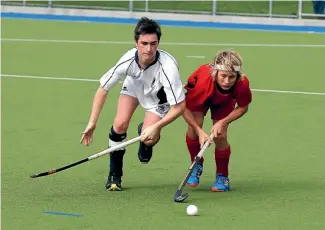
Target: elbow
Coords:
[(245, 109), (102, 92), (242, 109), (182, 106)]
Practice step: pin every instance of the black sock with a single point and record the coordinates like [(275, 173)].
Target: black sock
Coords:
[(116, 157)]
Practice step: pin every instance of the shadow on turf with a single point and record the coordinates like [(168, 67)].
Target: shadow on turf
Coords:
[(239, 188), (270, 186), (262, 187)]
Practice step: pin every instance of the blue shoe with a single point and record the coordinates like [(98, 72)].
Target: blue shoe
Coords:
[(221, 184), (194, 179)]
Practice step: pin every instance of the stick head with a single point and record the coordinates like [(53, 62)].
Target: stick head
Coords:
[(33, 175), (179, 197)]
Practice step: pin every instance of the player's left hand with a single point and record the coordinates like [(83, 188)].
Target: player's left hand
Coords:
[(150, 134), (219, 128)]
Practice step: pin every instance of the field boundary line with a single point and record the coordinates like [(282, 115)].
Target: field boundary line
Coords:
[(93, 80)]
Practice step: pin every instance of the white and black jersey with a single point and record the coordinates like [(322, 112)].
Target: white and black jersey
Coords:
[(159, 83)]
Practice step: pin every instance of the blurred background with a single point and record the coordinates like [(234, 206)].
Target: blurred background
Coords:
[(275, 9)]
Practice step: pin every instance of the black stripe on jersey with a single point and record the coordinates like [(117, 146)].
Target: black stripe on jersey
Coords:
[(168, 82), (162, 96), (115, 69), (171, 57)]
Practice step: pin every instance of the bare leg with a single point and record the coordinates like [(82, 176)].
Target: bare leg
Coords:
[(125, 109)]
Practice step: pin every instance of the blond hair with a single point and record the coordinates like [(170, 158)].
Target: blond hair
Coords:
[(227, 60)]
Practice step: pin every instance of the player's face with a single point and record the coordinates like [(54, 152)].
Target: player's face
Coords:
[(226, 79), (147, 46)]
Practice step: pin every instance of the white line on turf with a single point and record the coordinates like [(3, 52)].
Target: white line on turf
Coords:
[(48, 78), (166, 43), (195, 56), (93, 80)]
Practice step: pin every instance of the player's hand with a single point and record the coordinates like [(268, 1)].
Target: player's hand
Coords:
[(151, 134), (219, 128), (203, 137), (87, 135)]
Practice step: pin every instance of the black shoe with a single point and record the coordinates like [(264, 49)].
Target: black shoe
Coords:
[(114, 182), (145, 152)]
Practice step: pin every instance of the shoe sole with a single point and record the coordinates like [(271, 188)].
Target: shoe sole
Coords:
[(193, 185), (114, 187), (218, 190)]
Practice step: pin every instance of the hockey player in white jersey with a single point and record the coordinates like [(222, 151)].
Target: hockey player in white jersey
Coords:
[(151, 79)]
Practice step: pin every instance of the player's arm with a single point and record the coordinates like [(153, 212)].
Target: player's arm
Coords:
[(152, 132), (98, 102), (174, 112), (243, 96), (219, 127), (190, 119), (107, 81), (237, 113)]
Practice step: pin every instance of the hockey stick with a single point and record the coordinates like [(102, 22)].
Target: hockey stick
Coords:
[(109, 150), (179, 197)]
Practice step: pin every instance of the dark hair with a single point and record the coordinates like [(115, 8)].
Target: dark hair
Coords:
[(147, 26)]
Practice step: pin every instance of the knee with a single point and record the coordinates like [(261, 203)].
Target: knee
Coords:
[(121, 125), (221, 137), (191, 132), (221, 142), (151, 142)]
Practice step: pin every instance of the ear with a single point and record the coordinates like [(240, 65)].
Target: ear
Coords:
[(214, 74), (136, 43)]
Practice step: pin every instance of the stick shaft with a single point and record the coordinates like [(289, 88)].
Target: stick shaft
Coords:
[(60, 169), (114, 148), (196, 160), (102, 153)]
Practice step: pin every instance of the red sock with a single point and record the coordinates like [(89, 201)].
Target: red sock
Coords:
[(193, 146), (222, 160)]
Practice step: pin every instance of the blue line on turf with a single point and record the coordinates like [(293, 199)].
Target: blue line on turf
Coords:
[(181, 23), (62, 214)]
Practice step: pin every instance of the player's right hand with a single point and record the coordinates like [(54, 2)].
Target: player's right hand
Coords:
[(203, 137), (87, 135)]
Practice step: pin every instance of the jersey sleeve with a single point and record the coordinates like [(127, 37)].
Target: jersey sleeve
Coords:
[(172, 84), (199, 88), (243, 94), (118, 71)]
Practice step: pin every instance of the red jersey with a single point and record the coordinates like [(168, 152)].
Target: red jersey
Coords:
[(202, 91)]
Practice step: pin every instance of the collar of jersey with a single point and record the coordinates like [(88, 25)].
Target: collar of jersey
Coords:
[(154, 62), (225, 91)]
